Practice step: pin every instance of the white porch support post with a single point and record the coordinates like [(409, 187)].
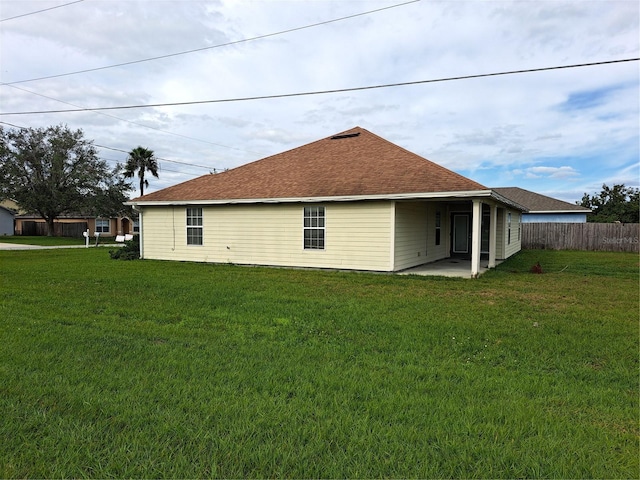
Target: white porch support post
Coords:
[(493, 221), (476, 221)]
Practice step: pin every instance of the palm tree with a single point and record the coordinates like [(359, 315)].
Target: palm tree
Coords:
[(142, 160)]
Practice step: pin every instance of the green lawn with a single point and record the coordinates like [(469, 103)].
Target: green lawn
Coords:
[(155, 369), (44, 241)]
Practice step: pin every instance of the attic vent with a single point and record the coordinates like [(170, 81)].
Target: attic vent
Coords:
[(347, 135)]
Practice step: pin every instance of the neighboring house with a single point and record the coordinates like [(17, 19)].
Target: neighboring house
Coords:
[(107, 227), (350, 201), (7, 216), (542, 209)]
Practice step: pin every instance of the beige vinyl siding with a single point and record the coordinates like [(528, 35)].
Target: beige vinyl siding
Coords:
[(410, 246), (504, 248), (357, 235), (500, 234), (437, 252), (516, 244), (415, 227)]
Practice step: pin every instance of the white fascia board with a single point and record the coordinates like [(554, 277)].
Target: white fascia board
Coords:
[(561, 211), (346, 198)]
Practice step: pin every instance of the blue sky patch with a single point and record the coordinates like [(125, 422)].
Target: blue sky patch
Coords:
[(589, 98)]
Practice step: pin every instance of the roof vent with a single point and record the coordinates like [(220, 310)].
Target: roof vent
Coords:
[(346, 135)]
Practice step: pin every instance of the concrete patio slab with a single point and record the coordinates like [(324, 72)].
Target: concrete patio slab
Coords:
[(447, 267)]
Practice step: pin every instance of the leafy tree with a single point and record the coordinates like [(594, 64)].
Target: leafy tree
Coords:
[(142, 160), (613, 204), (54, 171), (109, 201)]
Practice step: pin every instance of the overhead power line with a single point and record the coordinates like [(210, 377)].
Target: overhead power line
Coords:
[(236, 42), (133, 123), (324, 92), (159, 158), (13, 84), (161, 168), (40, 11), (211, 169)]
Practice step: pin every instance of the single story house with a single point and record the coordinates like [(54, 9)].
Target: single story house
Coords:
[(7, 217), (74, 225), (349, 201), (543, 209)]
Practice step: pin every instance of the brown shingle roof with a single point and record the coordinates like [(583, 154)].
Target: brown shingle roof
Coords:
[(536, 202), (352, 163)]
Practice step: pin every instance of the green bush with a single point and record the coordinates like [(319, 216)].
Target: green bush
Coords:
[(129, 251)]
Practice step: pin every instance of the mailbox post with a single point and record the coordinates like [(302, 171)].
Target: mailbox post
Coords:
[(86, 238)]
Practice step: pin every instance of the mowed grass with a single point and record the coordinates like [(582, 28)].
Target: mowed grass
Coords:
[(44, 240), (156, 369)]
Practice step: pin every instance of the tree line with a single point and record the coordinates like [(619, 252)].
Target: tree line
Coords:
[(56, 171), (613, 204)]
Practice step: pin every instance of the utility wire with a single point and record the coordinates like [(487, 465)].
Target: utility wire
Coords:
[(134, 123), (324, 92), (236, 42), (159, 158), (13, 125), (160, 167), (13, 84), (210, 169), (40, 11)]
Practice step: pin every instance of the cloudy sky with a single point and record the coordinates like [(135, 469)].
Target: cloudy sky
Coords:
[(558, 132)]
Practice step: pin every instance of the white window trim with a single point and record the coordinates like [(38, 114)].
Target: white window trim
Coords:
[(323, 228), (201, 227), (100, 229)]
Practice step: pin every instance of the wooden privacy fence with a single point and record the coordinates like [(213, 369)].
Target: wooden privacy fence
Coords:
[(609, 237), (59, 229)]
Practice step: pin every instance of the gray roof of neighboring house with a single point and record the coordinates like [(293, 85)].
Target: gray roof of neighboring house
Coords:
[(537, 203)]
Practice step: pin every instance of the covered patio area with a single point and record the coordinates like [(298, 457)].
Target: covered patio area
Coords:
[(448, 267)]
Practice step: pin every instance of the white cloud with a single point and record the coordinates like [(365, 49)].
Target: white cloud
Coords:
[(551, 172), (510, 128)]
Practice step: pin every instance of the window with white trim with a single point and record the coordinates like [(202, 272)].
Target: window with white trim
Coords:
[(314, 228), (103, 225), (509, 228), (194, 226), (136, 226), (437, 228)]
